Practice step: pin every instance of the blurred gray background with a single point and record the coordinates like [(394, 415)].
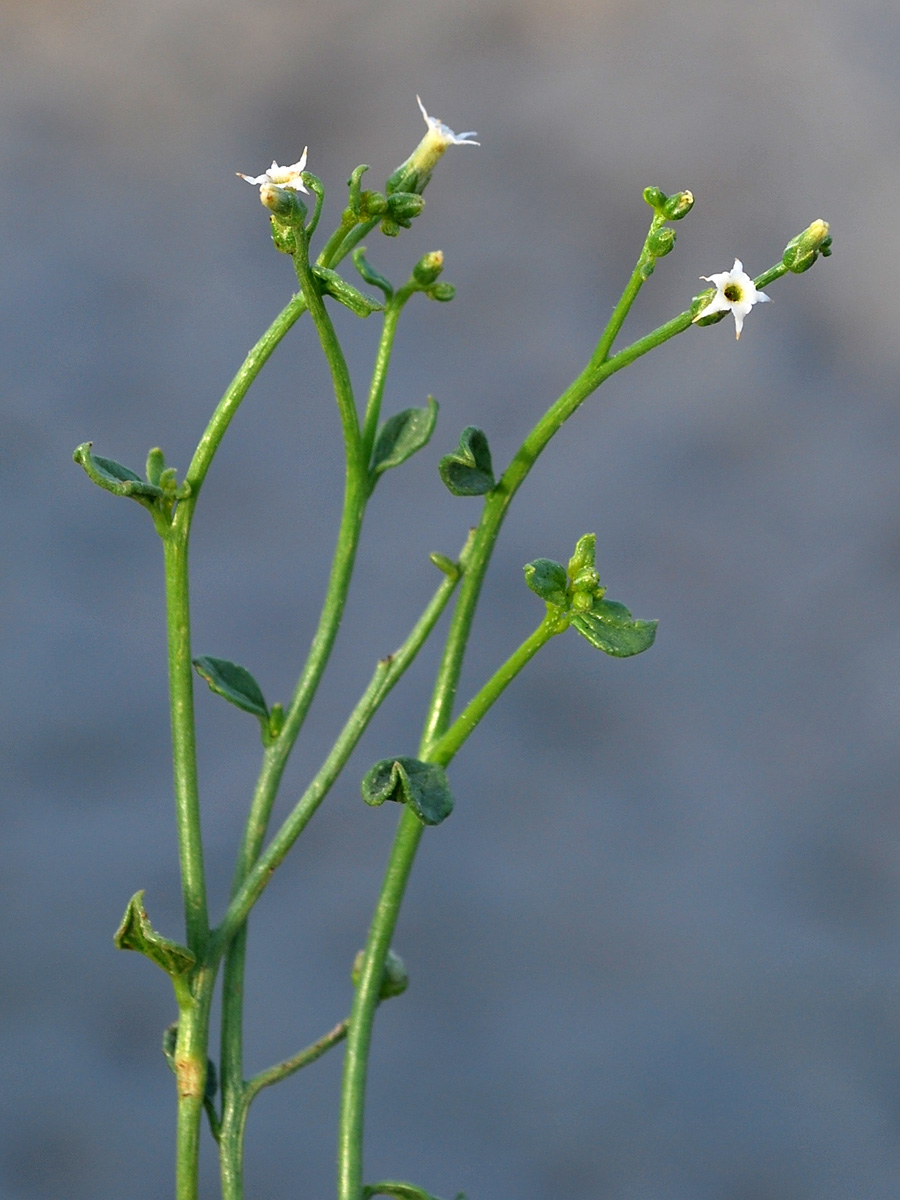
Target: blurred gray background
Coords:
[(654, 952)]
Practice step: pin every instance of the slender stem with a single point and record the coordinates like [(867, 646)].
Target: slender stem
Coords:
[(190, 1051), (639, 276), (384, 921), (184, 752), (237, 390), (444, 750), (190, 1062), (388, 671), (365, 1002), (291, 1065), (392, 311)]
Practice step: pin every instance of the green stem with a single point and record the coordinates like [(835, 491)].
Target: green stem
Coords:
[(184, 752), (190, 1052), (639, 276), (291, 1065), (237, 390), (384, 921), (190, 1062), (445, 749), (388, 671), (365, 1002), (392, 311)]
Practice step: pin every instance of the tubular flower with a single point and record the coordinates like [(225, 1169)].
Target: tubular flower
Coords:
[(284, 177), (444, 133), (735, 292)]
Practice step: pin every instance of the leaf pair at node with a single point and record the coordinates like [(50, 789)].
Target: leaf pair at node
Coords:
[(158, 492), (577, 593)]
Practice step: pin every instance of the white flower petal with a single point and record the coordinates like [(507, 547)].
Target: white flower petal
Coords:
[(445, 132), (743, 295)]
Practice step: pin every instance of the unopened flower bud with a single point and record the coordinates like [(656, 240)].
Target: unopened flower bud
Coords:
[(395, 979), (283, 203), (429, 267), (403, 206), (442, 292), (661, 242), (802, 251), (655, 197), (678, 206)]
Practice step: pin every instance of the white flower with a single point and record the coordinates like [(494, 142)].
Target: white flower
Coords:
[(285, 177), (735, 292), (445, 133)]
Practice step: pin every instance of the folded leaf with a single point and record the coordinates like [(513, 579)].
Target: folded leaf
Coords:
[(136, 933), (468, 470), (423, 786), (113, 477)]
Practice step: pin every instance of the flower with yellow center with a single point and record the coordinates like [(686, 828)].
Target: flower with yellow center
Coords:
[(284, 177), (735, 293)]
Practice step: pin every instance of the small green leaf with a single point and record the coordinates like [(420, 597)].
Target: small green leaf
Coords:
[(372, 277), (548, 579), (402, 435), (611, 628), (235, 684), (398, 1190), (136, 933), (468, 470), (114, 477), (423, 786)]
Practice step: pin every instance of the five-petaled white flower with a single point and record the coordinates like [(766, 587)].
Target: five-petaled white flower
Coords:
[(445, 133), (735, 292), (285, 177)]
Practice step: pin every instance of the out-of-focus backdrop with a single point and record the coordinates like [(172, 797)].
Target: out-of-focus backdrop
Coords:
[(654, 952)]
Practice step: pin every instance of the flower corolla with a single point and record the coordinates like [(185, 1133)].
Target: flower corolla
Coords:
[(283, 177), (735, 293), (445, 133)]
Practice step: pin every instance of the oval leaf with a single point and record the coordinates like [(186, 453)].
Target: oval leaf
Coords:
[(423, 786), (547, 579), (610, 627), (402, 435), (468, 470), (235, 684), (136, 933)]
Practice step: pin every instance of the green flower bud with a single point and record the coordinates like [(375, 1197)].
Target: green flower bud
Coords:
[(156, 464), (284, 238), (403, 206), (395, 979), (283, 203), (661, 242), (802, 251), (441, 291), (678, 206), (429, 267), (655, 197)]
